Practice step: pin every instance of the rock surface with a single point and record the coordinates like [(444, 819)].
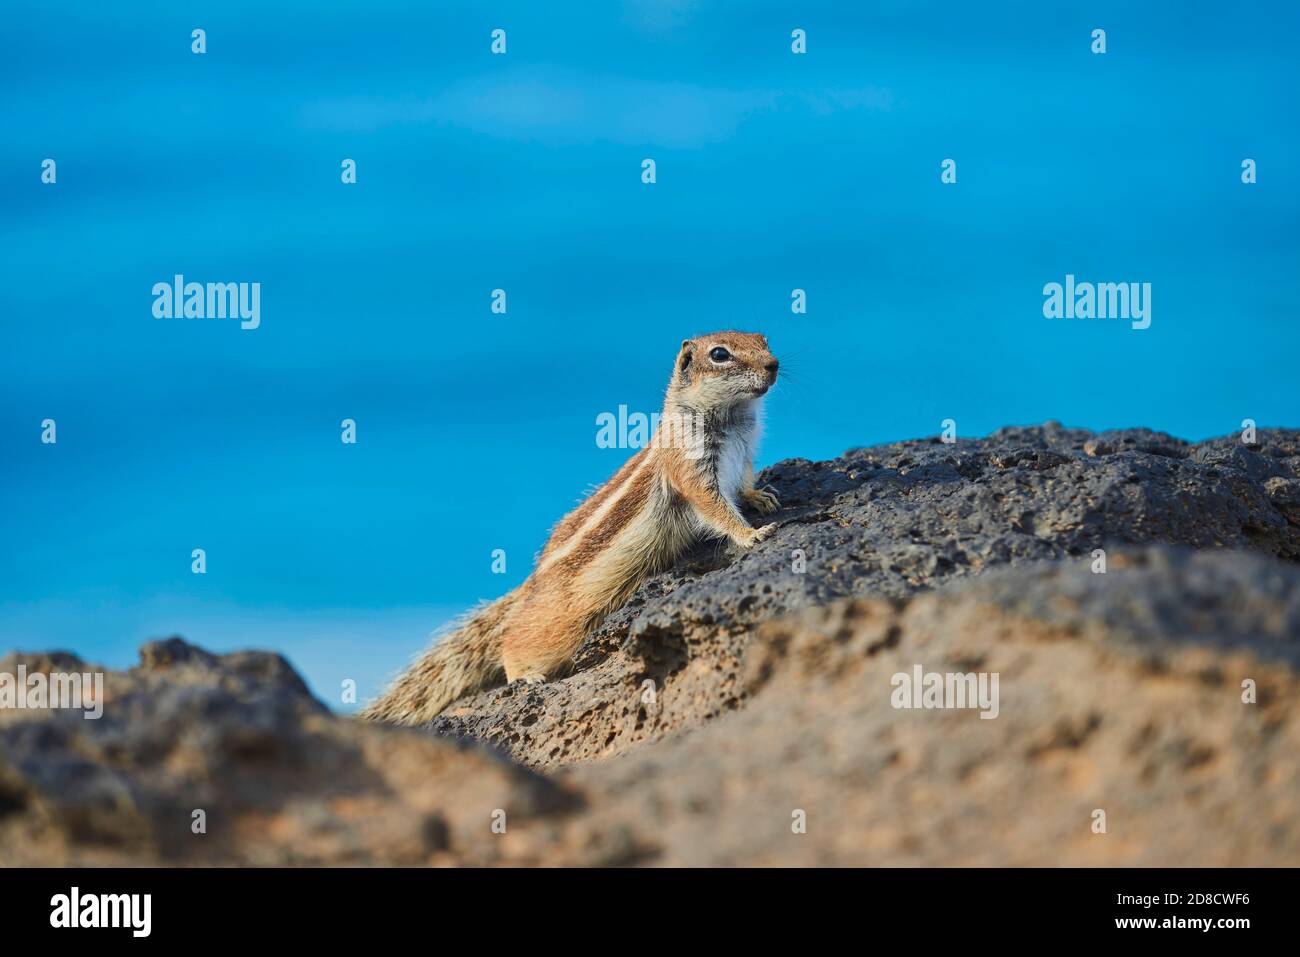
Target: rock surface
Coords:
[(278, 779), (1120, 693), (888, 521), (733, 698)]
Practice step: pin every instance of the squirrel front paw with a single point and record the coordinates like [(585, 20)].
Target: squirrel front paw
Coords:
[(756, 535), (761, 500)]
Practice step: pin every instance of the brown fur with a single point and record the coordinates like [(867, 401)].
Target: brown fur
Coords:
[(638, 523), (565, 528)]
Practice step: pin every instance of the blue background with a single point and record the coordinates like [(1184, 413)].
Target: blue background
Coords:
[(477, 431)]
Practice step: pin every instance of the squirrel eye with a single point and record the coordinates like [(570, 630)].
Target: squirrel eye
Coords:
[(719, 354)]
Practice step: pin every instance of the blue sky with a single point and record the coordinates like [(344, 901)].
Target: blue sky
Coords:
[(477, 431)]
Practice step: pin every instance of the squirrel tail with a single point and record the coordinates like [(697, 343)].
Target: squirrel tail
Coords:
[(465, 660)]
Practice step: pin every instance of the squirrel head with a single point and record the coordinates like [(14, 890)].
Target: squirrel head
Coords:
[(723, 369)]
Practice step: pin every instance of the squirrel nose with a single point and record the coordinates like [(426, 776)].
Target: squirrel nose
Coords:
[(772, 366)]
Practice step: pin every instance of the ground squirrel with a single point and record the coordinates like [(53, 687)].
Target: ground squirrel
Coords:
[(689, 482)]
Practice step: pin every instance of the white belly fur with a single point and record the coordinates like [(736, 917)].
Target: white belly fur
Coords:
[(737, 454)]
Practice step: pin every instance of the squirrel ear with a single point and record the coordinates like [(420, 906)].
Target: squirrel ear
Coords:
[(688, 353)]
